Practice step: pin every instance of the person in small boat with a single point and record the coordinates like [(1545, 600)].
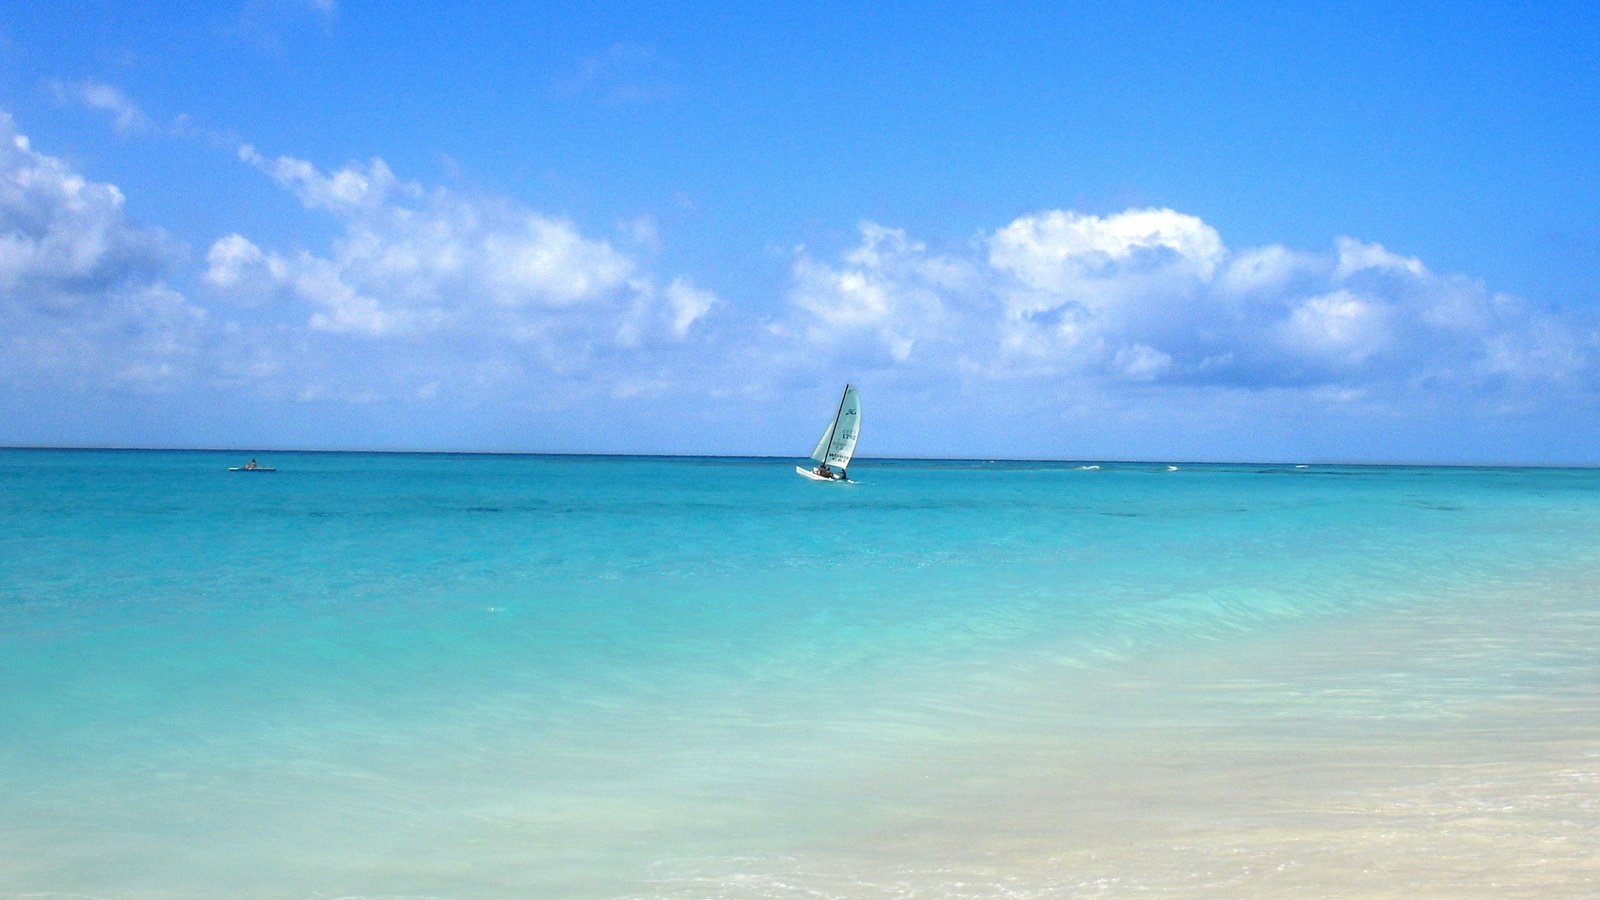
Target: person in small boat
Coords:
[(824, 471), (251, 465)]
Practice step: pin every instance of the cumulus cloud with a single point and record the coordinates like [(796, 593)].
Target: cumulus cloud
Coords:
[(686, 304), (1340, 327), (888, 290), (237, 269), (670, 312), (347, 190), (1081, 291), (433, 296), (1069, 254), (82, 287), (412, 259), (419, 293), (65, 241), (1273, 269), (1156, 296)]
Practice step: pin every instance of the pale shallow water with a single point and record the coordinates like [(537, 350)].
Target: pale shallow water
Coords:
[(398, 675)]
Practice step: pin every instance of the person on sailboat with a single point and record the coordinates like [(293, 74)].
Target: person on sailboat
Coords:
[(838, 443)]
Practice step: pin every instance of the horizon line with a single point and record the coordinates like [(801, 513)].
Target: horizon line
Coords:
[(745, 456)]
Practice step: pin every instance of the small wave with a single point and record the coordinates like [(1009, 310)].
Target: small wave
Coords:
[(1088, 468)]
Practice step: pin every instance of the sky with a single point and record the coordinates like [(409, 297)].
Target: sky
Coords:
[(1164, 231)]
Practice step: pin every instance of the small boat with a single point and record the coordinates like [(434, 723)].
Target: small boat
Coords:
[(838, 443), (252, 467)]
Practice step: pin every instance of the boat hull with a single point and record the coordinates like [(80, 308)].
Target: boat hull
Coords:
[(807, 473)]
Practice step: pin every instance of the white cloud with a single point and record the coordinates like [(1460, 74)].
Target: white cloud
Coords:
[(1137, 362), (1339, 327), (126, 116), (547, 262), (1093, 260), (671, 314), (1078, 290), (159, 330), (344, 191), (1156, 296), (427, 295), (888, 289), (237, 269), (420, 292), (83, 290), (688, 304), (1268, 270), (1356, 256), (1543, 350), (66, 241), (413, 260)]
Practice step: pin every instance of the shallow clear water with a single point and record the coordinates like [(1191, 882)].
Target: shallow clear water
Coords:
[(371, 674)]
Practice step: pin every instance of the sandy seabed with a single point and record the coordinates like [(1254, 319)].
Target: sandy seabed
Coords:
[(1442, 750)]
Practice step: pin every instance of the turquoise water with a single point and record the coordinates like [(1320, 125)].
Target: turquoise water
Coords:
[(437, 675)]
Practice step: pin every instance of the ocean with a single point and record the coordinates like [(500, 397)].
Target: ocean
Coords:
[(414, 675)]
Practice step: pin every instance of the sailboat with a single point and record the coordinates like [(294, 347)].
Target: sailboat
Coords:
[(838, 443)]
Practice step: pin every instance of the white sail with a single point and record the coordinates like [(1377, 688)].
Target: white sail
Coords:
[(838, 443)]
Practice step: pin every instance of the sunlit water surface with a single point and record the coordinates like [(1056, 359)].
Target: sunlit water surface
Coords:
[(470, 676)]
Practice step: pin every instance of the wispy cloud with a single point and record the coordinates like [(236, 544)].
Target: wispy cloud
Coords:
[(126, 116), (270, 23), (621, 74)]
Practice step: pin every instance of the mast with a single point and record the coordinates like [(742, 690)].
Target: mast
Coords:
[(827, 449)]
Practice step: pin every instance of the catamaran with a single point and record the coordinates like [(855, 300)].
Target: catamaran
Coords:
[(838, 443), (251, 467)]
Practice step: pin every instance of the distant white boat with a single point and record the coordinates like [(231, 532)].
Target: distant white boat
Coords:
[(251, 466), (838, 443)]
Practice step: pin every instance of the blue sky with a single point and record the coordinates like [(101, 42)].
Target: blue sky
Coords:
[(1164, 231)]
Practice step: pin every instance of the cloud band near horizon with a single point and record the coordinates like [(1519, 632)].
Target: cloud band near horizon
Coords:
[(429, 295)]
